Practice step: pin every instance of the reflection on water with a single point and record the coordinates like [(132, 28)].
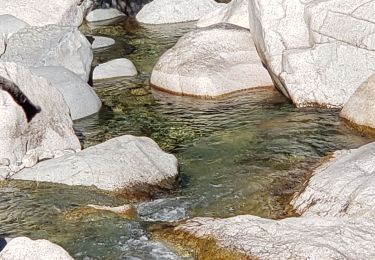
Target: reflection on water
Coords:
[(242, 154)]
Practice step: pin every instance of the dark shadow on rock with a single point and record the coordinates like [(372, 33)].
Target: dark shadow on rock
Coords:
[(3, 243)]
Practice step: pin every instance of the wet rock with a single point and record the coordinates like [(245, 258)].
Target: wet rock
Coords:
[(236, 12), (10, 25), (127, 164), (128, 7), (317, 53), (114, 68), (343, 186), (175, 11), (250, 237), (210, 62), (104, 16), (41, 118), (36, 13), (167, 210), (80, 97), (360, 110), (51, 45), (101, 43), (124, 210), (23, 248)]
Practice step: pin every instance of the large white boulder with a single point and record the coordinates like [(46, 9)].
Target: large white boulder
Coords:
[(318, 52), (210, 62), (23, 248), (49, 129), (175, 11), (343, 186), (80, 97), (51, 45), (252, 237), (10, 24), (40, 13), (236, 12), (115, 68), (360, 109), (104, 16), (126, 164)]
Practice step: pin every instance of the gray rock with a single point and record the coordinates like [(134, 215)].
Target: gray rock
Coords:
[(104, 16), (167, 210), (10, 24), (101, 43), (80, 97), (210, 62), (292, 238), (23, 248), (127, 163), (114, 68), (51, 45)]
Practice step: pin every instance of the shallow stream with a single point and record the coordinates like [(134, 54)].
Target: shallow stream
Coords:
[(241, 154)]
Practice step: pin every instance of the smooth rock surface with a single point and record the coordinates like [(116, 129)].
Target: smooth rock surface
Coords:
[(210, 62), (115, 68), (80, 97), (40, 13), (51, 45), (318, 52), (292, 238), (23, 248), (101, 42), (360, 109), (343, 186), (2, 44), (10, 24), (175, 11), (51, 128), (104, 16), (236, 12), (126, 163)]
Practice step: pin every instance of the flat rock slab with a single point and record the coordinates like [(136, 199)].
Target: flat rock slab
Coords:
[(252, 237), (236, 12), (79, 96), (126, 164), (104, 16), (175, 11), (343, 186), (101, 43), (23, 248), (10, 24), (211, 62), (114, 68)]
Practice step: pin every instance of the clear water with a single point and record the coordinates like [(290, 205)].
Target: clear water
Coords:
[(242, 154)]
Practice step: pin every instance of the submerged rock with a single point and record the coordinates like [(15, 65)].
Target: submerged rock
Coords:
[(40, 119), (10, 24), (37, 13), (127, 164), (23, 248), (51, 45), (250, 237), (167, 210), (104, 16), (318, 53), (236, 12), (360, 109), (114, 68), (101, 42), (175, 11), (80, 97), (343, 186), (210, 62)]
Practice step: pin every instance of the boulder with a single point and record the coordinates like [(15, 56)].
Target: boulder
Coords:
[(51, 45), (101, 43), (130, 8), (11, 24), (104, 16), (40, 13), (236, 12), (34, 115), (175, 11), (250, 237), (343, 186), (360, 109), (80, 97), (210, 62), (317, 52), (128, 164), (115, 68), (23, 248)]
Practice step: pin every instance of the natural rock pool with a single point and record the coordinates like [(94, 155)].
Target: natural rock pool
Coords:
[(241, 154)]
